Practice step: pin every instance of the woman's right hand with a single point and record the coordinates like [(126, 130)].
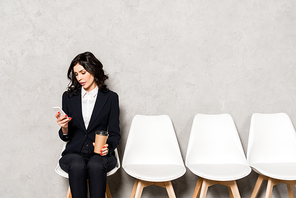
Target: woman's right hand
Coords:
[(63, 122)]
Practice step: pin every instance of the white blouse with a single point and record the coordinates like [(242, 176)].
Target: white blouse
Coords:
[(88, 102)]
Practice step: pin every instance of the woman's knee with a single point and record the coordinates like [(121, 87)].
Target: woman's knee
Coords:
[(72, 162), (97, 163), (77, 166)]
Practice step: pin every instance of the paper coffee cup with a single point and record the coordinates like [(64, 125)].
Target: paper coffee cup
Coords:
[(100, 140)]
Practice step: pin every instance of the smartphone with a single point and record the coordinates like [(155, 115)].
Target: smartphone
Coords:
[(59, 109)]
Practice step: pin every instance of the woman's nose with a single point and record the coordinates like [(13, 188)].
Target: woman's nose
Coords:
[(79, 77)]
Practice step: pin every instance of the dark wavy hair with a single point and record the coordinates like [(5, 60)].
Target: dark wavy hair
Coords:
[(92, 65)]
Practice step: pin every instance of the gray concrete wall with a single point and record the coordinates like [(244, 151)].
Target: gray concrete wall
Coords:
[(177, 58)]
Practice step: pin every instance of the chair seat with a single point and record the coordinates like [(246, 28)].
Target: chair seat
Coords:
[(220, 172), (61, 172), (155, 173), (281, 171)]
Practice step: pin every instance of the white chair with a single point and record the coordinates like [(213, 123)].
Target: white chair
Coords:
[(272, 151), (215, 154), (62, 173), (152, 154)]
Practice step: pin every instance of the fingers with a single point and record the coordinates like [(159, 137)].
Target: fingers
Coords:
[(104, 150), (57, 115), (63, 121)]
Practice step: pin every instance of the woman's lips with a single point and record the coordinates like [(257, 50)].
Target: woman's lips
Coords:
[(82, 83)]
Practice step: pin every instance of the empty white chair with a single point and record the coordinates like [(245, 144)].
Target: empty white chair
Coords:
[(62, 173), (215, 154), (152, 154), (272, 151)]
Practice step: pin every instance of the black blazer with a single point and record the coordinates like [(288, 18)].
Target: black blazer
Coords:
[(105, 116)]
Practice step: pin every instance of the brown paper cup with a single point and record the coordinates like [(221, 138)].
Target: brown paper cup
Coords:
[(100, 141)]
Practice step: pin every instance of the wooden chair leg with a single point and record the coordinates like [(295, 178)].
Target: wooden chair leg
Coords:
[(230, 192), (290, 190), (69, 195), (170, 190), (257, 186), (205, 184), (108, 193), (234, 192), (139, 190), (197, 187), (269, 188), (134, 189), (204, 188)]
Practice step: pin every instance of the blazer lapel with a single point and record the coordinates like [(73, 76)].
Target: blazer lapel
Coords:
[(100, 102), (76, 106)]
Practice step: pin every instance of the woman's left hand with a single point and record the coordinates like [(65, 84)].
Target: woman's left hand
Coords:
[(104, 150)]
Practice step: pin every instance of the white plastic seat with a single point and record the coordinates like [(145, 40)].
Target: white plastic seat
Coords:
[(215, 154), (64, 174), (271, 151), (152, 154)]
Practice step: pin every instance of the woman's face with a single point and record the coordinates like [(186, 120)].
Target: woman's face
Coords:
[(86, 79)]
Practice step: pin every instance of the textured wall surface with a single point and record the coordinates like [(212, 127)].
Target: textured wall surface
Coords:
[(177, 58)]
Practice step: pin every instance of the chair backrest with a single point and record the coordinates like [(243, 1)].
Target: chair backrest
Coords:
[(152, 140), (62, 173), (272, 139), (214, 140)]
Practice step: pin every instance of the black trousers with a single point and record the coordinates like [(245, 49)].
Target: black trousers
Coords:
[(94, 168)]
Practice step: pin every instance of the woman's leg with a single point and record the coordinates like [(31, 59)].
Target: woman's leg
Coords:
[(97, 169), (75, 166)]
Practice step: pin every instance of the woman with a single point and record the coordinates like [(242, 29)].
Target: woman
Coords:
[(89, 106)]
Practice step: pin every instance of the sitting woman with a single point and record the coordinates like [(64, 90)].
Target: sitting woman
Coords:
[(89, 106)]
